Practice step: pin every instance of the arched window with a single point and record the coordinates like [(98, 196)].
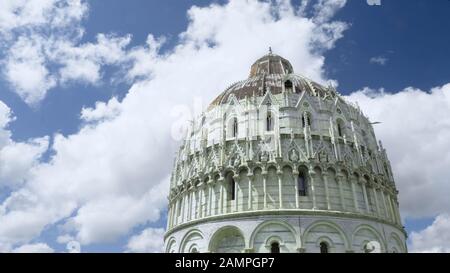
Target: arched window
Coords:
[(194, 250), (235, 128), (301, 184), (269, 122), (323, 247), (340, 128), (288, 85), (232, 189), (306, 120), (275, 247)]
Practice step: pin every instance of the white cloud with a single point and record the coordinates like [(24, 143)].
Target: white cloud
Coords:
[(5, 119), (26, 70), (433, 239), (16, 158), (415, 130), (83, 62), (64, 239), (41, 47), (380, 60), (30, 65), (326, 9), (112, 175), (150, 240), (23, 14), (34, 248), (101, 111)]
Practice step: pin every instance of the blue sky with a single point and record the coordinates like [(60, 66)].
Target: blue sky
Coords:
[(405, 32), (407, 41)]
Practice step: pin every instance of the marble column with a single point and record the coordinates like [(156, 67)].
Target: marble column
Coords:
[(327, 193), (174, 213), (264, 175), (339, 181), (225, 196), (178, 211), (377, 205), (189, 207), (394, 208), (280, 191), (393, 218), (295, 173), (209, 204), (249, 191), (221, 194), (355, 200), (366, 200), (397, 212), (236, 193), (388, 202), (183, 206), (312, 174), (194, 204), (169, 218), (186, 206), (386, 211), (169, 221), (204, 200)]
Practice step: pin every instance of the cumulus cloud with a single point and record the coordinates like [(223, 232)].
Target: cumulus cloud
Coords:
[(42, 49), (325, 9), (16, 158), (18, 15), (113, 174), (35, 64), (433, 239), (34, 248), (83, 62), (150, 240), (26, 70), (415, 129), (101, 111)]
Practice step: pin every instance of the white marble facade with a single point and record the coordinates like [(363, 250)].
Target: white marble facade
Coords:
[(279, 161)]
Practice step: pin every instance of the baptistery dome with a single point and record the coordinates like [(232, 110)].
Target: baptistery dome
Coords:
[(280, 163)]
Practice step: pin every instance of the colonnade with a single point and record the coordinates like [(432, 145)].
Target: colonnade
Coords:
[(212, 197)]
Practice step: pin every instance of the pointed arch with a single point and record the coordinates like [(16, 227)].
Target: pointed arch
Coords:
[(269, 121)]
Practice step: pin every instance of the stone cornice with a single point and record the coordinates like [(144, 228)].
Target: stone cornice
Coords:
[(278, 212)]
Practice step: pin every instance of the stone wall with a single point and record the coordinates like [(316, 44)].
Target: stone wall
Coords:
[(295, 234)]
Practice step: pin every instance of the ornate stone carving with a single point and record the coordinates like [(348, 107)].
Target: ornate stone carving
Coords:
[(299, 153)]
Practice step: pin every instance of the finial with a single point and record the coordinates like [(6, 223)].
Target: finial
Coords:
[(270, 50)]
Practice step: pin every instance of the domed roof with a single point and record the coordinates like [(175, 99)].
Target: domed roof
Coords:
[(271, 72), (271, 64)]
